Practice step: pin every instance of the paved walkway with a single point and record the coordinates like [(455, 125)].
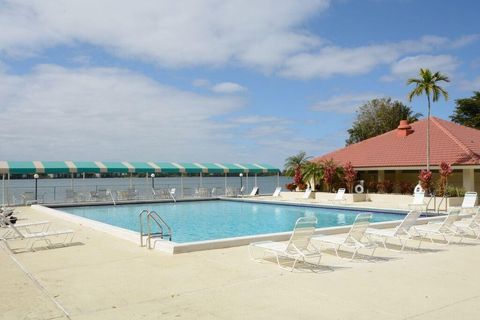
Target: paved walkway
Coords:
[(102, 277)]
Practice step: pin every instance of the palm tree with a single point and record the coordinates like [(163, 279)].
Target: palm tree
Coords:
[(427, 84), (294, 165), (312, 173)]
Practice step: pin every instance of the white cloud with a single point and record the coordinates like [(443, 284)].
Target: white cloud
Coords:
[(169, 33), (346, 103), (227, 87), (105, 113), (334, 60), (269, 35), (465, 40), (257, 119), (222, 87), (409, 66)]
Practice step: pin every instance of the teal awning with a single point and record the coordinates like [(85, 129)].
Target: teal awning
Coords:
[(167, 167), (55, 167), (62, 167), (85, 167)]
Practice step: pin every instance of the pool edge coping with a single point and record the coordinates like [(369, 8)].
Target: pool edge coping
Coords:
[(171, 247)]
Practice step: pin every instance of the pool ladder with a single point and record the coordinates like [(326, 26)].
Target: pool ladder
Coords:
[(153, 217)]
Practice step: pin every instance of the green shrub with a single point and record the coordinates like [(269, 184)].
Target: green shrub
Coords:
[(453, 191)]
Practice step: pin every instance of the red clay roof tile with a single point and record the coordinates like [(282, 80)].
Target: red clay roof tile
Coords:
[(449, 142)]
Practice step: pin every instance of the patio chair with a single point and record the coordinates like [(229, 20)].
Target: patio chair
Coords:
[(307, 193), (471, 225), (298, 248), (172, 193), (355, 239), (403, 232), (30, 227), (32, 238), (254, 192), (469, 201), (418, 200), (444, 229), (277, 191), (132, 194), (339, 196)]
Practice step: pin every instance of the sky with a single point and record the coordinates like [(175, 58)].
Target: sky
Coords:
[(217, 81)]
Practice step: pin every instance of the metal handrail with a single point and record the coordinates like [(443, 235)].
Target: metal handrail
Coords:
[(111, 196), (140, 215), (444, 198), (434, 198), (161, 224)]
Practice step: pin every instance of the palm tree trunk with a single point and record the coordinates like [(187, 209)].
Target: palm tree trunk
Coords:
[(428, 134)]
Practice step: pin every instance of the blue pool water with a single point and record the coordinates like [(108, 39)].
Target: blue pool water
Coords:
[(218, 219)]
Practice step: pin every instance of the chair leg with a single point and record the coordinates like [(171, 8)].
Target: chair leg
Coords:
[(354, 253)]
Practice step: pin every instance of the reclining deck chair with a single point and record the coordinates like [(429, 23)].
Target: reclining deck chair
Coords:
[(298, 248), (403, 232), (30, 239), (355, 239)]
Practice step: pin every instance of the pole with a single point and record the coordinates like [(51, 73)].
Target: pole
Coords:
[(225, 183), (278, 179), (3, 190), (8, 188), (201, 182), (246, 183), (153, 180), (256, 180), (181, 183), (36, 187)]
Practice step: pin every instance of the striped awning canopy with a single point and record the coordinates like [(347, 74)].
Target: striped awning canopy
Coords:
[(31, 167)]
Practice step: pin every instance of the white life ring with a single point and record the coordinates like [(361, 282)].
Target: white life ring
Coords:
[(418, 189), (359, 188)]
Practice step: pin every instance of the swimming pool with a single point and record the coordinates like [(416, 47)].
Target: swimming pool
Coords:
[(218, 219)]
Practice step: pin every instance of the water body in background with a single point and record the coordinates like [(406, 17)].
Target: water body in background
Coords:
[(55, 190)]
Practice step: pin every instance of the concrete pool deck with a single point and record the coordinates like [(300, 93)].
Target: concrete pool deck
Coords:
[(103, 277)]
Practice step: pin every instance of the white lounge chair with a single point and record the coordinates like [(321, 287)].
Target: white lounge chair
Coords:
[(444, 229), (355, 239), (254, 192), (307, 193), (403, 232), (471, 225), (298, 248), (339, 196), (418, 200), (32, 238), (277, 191), (469, 201), (5, 222)]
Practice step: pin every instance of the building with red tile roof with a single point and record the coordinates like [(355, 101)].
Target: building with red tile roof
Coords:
[(403, 150)]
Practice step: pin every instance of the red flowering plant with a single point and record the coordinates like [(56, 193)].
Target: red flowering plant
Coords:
[(349, 175), (425, 178), (291, 186), (445, 171), (329, 173), (298, 178)]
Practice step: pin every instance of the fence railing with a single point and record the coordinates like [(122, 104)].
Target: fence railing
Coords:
[(21, 192)]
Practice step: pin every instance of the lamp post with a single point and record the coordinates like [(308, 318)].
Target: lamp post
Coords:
[(153, 180), (35, 176), (241, 183)]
